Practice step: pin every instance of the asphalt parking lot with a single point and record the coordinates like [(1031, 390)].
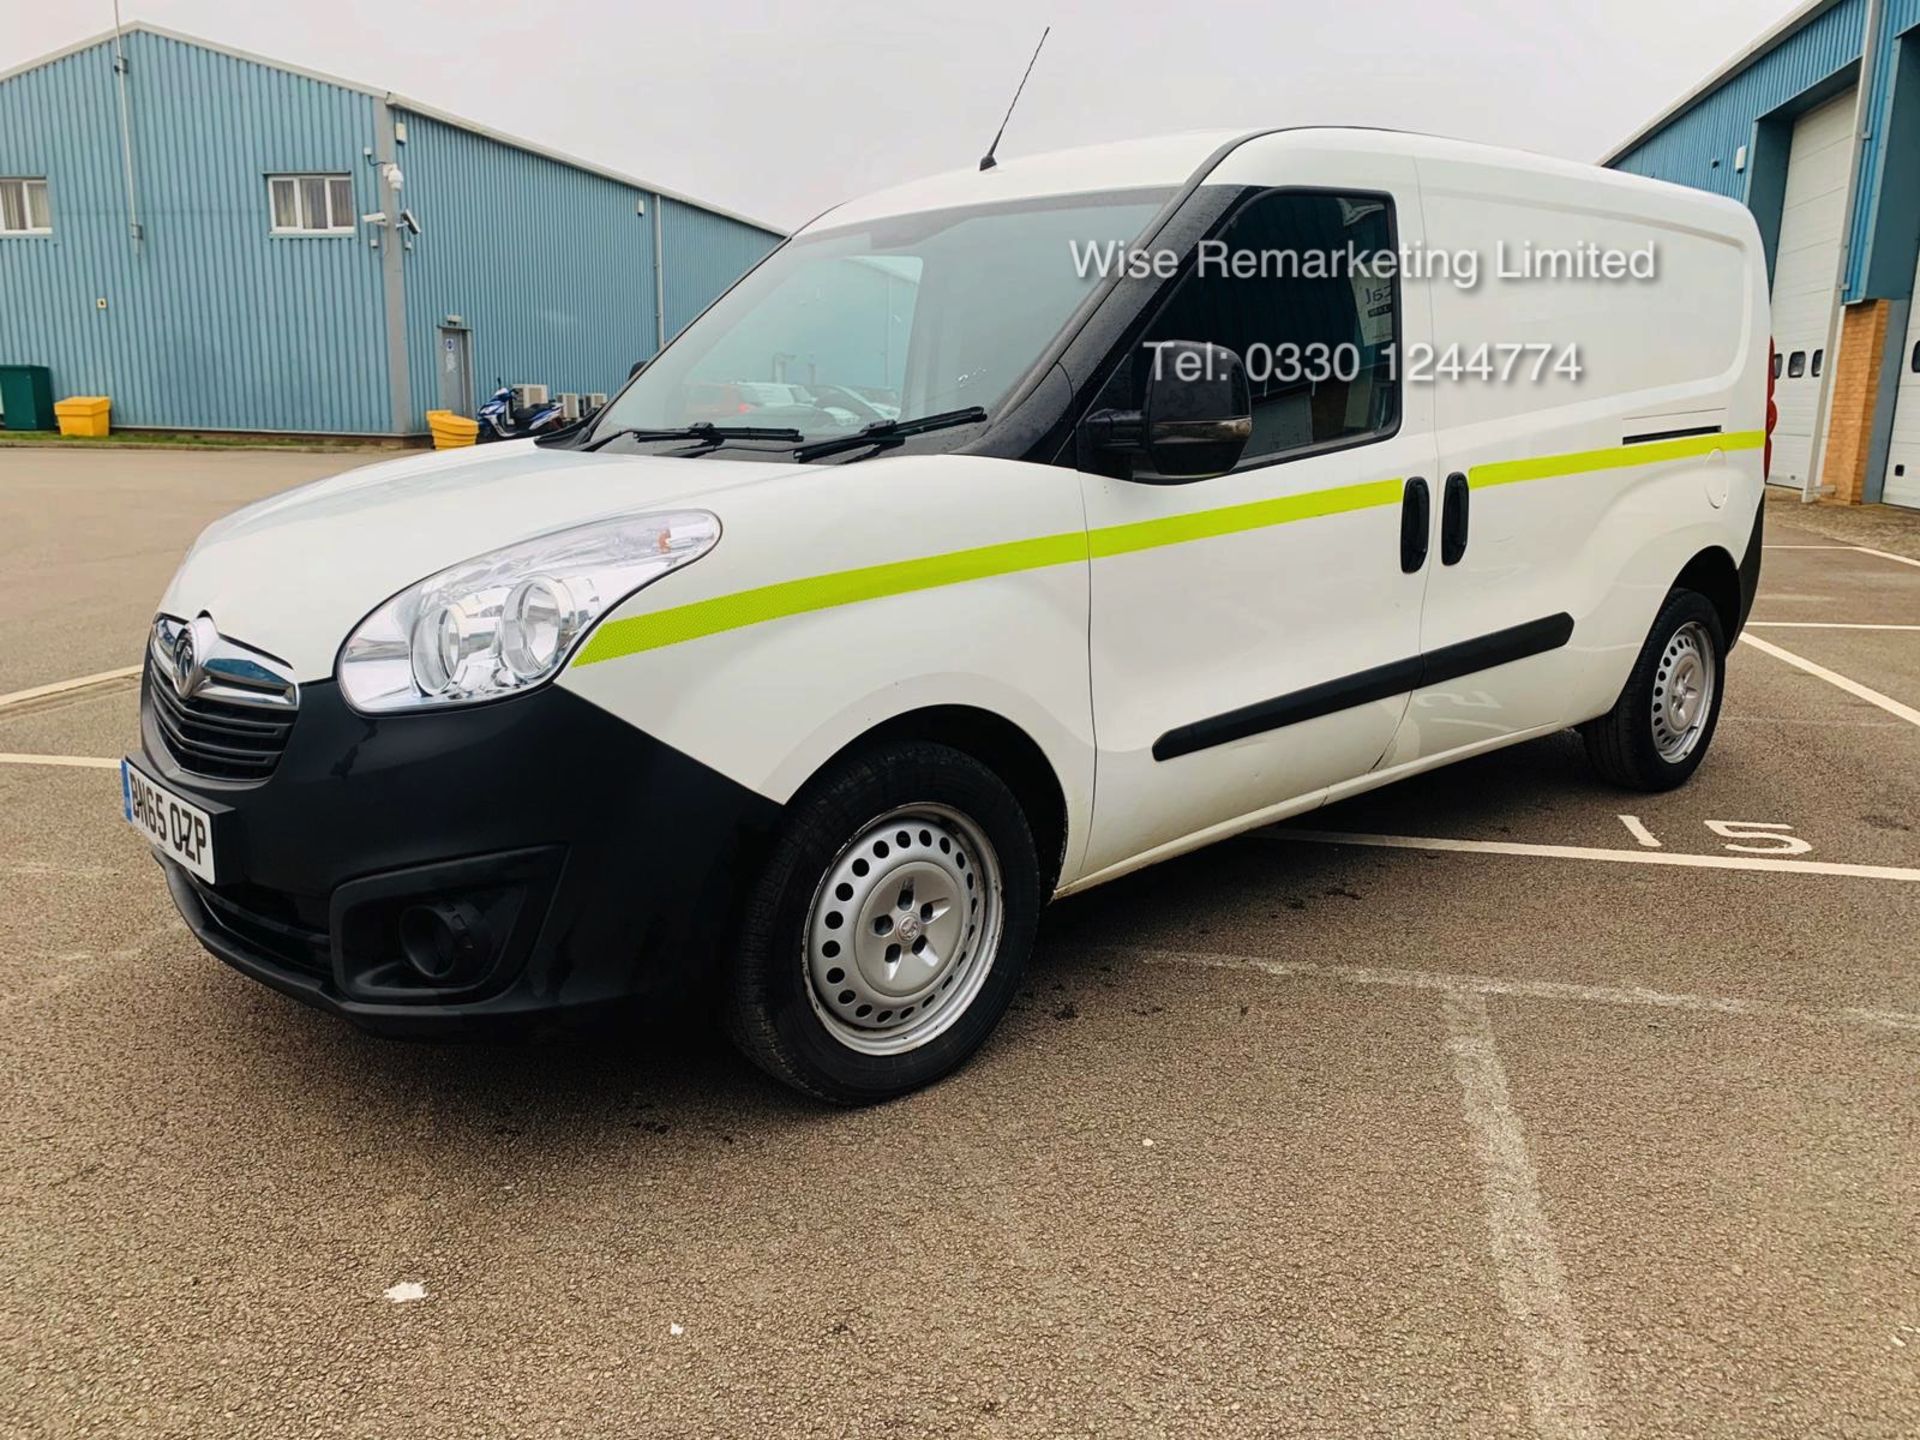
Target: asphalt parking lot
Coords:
[(1497, 1103)]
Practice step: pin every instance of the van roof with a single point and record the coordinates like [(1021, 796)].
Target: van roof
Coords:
[(1169, 161), (1165, 160)]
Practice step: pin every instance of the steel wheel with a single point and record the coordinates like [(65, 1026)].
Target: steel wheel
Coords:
[(904, 929), (1683, 690)]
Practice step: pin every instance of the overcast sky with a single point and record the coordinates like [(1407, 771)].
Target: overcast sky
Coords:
[(779, 110)]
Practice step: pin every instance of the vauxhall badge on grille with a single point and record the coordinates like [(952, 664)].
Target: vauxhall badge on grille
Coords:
[(191, 645), (183, 663)]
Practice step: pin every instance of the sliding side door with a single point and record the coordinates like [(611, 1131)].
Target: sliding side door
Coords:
[(1587, 432)]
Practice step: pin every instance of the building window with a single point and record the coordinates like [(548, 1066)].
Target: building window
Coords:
[(311, 204), (23, 207), (1797, 366), (1819, 361)]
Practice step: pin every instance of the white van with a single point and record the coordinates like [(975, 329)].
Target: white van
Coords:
[(1186, 510)]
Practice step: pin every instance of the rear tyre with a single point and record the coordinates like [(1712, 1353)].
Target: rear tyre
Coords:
[(889, 929), (1659, 729)]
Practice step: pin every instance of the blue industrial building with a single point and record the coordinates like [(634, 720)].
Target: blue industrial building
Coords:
[(1825, 150), (221, 242)]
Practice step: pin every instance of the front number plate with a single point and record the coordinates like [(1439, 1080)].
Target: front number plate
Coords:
[(181, 832)]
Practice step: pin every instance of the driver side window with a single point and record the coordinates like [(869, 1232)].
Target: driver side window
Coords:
[(1287, 286)]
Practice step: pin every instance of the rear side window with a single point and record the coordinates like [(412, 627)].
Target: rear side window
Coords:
[(1797, 366), (1316, 339)]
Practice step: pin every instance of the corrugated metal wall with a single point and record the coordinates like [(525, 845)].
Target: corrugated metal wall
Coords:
[(209, 322), (1687, 148), (549, 267), (1698, 147), (704, 254), (1876, 174)]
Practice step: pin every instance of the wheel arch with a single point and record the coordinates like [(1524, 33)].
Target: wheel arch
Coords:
[(1004, 748), (1712, 573)]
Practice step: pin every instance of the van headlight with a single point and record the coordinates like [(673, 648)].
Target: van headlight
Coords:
[(506, 621)]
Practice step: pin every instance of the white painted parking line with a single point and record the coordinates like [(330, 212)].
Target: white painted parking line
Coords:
[(1734, 717), (1523, 989), (82, 762), (41, 989), (79, 964), (1841, 682), (1889, 555), (1856, 549), (1821, 625), (62, 687), (1641, 835), (1533, 1283), (1594, 852)]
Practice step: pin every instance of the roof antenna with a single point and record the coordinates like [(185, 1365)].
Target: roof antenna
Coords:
[(987, 162)]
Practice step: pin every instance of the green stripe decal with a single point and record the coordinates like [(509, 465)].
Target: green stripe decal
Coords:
[(873, 582), (1205, 524), (680, 623), (1618, 457), (824, 592)]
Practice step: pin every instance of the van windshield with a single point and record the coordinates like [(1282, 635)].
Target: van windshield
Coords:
[(892, 319)]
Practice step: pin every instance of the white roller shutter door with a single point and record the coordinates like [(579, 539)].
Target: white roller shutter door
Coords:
[(1903, 456), (1811, 222)]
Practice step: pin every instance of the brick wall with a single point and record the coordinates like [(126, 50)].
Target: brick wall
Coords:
[(1856, 388)]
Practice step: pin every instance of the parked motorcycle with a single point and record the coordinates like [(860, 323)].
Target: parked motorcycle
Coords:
[(501, 419)]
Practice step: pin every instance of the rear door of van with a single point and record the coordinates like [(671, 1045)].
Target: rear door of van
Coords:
[(1254, 635)]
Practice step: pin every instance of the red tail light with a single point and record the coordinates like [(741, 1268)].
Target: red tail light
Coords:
[(1773, 410)]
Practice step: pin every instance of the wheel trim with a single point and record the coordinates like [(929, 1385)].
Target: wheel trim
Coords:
[(903, 929), (1684, 686)]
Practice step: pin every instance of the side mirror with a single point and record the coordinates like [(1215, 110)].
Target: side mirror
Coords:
[(1196, 415)]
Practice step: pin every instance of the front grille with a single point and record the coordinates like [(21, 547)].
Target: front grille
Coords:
[(214, 737), (283, 939)]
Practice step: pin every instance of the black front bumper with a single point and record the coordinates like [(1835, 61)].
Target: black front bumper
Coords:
[(604, 867)]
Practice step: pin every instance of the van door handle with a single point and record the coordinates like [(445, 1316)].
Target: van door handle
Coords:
[(1453, 520), (1415, 513)]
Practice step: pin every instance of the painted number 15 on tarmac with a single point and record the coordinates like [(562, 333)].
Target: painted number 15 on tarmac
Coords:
[(1747, 837)]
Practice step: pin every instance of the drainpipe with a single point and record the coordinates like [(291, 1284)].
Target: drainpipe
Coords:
[(393, 274), (659, 282), (1862, 131), (126, 126)]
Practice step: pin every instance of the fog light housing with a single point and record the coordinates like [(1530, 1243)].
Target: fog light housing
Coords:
[(440, 934), (445, 943)]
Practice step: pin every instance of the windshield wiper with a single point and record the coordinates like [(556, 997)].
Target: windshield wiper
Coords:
[(889, 432), (705, 431)]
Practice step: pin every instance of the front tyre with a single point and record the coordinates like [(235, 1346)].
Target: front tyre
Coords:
[(889, 929), (1659, 729)]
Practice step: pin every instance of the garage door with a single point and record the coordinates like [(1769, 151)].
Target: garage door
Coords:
[(1810, 225), (1903, 456)]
